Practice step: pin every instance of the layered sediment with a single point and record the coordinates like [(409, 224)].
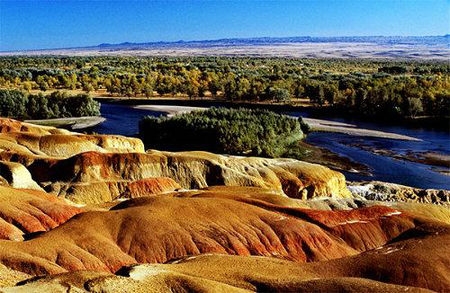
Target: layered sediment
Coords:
[(78, 166), (99, 213), (390, 192)]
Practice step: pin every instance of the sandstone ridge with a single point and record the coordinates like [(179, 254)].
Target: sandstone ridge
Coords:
[(97, 213), (99, 168), (132, 232), (403, 265)]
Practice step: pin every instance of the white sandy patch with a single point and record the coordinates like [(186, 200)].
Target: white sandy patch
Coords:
[(350, 129), (360, 189), (392, 214), (281, 218), (142, 272), (71, 122), (170, 110), (325, 49), (351, 222), (391, 250)]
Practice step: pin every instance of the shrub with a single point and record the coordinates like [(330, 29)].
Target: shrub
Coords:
[(222, 130), (304, 126)]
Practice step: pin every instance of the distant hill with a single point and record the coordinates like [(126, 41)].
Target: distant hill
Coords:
[(380, 40), (415, 47)]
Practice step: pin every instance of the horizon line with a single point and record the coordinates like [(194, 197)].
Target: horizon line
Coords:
[(218, 40)]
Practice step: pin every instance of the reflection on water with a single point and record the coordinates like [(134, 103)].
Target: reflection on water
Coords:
[(383, 168), (121, 119), (124, 120)]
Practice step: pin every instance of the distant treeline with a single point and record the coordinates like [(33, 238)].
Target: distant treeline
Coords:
[(20, 105), (386, 89), (222, 130)]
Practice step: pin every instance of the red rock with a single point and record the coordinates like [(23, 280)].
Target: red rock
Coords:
[(417, 261), (149, 186), (28, 211), (162, 228)]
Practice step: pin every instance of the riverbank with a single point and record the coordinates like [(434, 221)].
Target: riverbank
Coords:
[(315, 124), (336, 150), (71, 123), (207, 102), (311, 153), (440, 162), (169, 110), (303, 107)]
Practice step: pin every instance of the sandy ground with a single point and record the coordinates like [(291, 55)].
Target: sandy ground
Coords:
[(316, 124), (292, 50), (170, 110), (350, 129), (73, 123)]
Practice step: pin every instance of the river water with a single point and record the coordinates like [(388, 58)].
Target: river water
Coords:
[(124, 120)]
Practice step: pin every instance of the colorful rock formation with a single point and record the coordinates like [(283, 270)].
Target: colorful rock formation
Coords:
[(98, 168), (97, 213), (384, 191)]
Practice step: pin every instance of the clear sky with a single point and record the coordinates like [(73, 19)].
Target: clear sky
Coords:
[(40, 24)]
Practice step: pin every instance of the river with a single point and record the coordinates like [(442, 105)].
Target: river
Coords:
[(124, 120)]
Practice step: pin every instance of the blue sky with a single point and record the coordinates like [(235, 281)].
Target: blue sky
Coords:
[(40, 24)]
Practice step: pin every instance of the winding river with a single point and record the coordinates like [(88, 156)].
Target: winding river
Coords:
[(122, 119)]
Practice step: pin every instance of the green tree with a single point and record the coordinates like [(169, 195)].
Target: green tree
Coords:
[(41, 81), (13, 103), (278, 94), (414, 107), (37, 106)]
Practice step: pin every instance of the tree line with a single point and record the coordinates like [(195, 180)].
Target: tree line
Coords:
[(364, 87), (20, 105)]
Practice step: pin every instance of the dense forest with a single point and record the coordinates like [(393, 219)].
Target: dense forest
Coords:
[(221, 130), (370, 88), (20, 105)]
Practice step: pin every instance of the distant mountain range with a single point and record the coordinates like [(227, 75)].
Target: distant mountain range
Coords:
[(380, 40), (374, 47)]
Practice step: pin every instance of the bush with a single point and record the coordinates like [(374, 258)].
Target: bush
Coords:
[(304, 126), (38, 107), (221, 130)]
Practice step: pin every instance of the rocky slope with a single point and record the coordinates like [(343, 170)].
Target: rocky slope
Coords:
[(415, 260), (412, 262), (98, 213), (99, 168), (28, 211), (390, 192), (156, 230)]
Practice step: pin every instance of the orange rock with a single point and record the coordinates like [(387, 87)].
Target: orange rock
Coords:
[(69, 159), (29, 211), (193, 170), (150, 186), (9, 125), (416, 261), (254, 211), (163, 228)]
